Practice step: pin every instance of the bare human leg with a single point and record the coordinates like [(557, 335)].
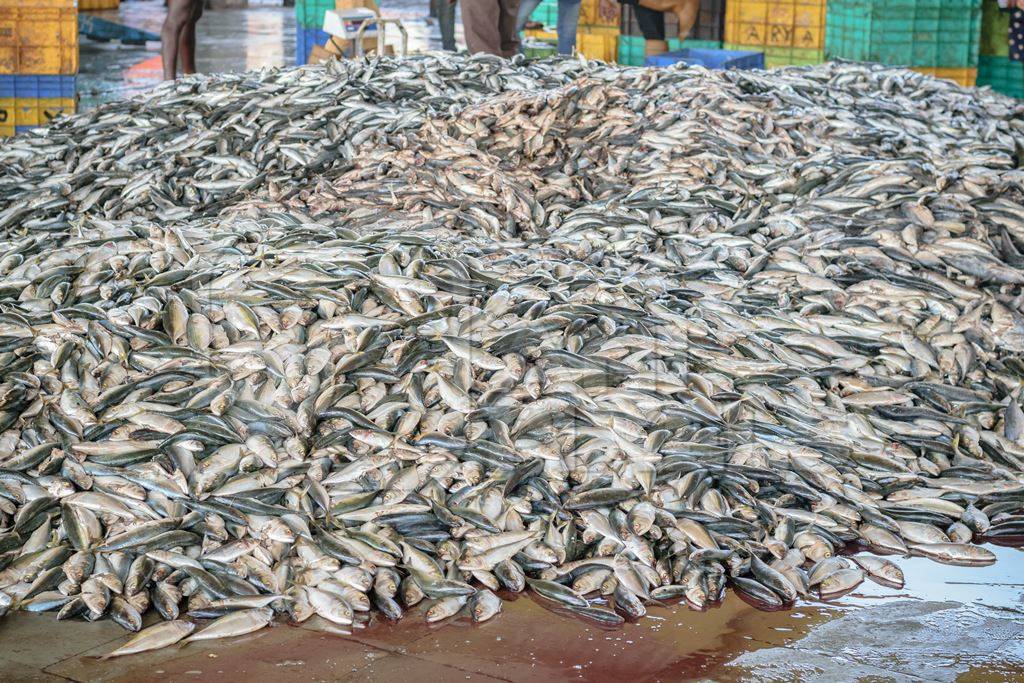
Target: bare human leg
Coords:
[(685, 11), (187, 42), (179, 13)]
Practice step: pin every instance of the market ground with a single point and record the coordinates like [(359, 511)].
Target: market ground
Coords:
[(949, 624)]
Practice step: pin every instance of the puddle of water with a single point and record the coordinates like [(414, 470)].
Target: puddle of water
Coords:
[(1000, 585)]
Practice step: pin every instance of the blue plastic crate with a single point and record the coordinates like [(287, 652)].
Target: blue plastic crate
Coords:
[(712, 59), (310, 13), (305, 39), (37, 87), (546, 13)]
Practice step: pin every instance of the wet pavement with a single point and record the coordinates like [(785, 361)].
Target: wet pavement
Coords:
[(227, 40), (949, 624)]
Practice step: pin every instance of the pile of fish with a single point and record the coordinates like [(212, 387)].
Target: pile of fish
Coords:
[(341, 340)]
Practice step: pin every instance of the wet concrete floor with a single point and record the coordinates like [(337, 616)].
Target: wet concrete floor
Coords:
[(949, 624), (227, 40)]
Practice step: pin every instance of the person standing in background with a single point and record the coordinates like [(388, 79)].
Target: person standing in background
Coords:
[(178, 37), (446, 23), (1016, 34), (653, 26), (490, 26), (568, 20)]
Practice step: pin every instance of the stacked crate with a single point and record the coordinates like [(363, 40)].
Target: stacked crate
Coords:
[(546, 13), (38, 62), (597, 36), (540, 41), (937, 37), (541, 35), (309, 27), (995, 68), (539, 50), (789, 32), (631, 48), (995, 30), (710, 22), (706, 33), (94, 5)]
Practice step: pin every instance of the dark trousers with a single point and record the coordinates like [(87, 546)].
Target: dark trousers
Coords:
[(652, 24), (446, 22), (490, 26)]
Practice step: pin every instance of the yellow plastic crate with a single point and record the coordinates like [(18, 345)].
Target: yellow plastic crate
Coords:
[(92, 5), (597, 46), (776, 23), (782, 56), (28, 112), (541, 34), (776, 61), (963, 76), (38, 37), (19, 113), (6, 116), (600, 13), (592, 30)]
